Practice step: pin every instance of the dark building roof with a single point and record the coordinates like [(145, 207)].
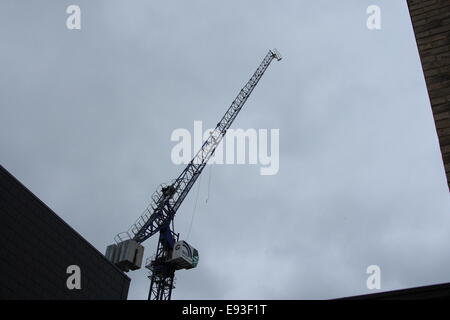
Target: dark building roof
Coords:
[(436, 291), (38, 246)]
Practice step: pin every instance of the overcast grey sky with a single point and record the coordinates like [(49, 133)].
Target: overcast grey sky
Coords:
[(86, 118)]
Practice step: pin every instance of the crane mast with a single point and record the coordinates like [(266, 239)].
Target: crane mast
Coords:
[(165, 201)]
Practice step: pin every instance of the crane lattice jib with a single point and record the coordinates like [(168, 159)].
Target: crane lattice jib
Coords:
[(168, 198)]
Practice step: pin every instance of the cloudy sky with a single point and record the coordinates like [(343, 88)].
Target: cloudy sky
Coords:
[(86, 118)]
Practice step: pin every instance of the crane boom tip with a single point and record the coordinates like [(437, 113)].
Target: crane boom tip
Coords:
[(276, 54)]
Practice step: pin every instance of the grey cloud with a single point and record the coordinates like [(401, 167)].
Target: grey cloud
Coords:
[(86, 118)]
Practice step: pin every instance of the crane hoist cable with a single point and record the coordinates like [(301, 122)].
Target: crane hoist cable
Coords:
[(209, 183), (195, 208)]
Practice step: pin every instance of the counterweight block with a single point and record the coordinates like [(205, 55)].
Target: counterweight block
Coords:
[(127, 255)]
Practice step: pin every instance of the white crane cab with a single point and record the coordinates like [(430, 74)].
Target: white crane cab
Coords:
[(184, 256)]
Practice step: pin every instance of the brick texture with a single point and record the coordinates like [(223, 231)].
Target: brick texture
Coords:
[(37, 246), (431, 23)]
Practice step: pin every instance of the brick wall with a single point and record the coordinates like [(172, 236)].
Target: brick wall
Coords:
[(37, 246), (431, 23)]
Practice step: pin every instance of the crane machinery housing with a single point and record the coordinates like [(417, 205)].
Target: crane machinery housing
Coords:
[(173, 254)]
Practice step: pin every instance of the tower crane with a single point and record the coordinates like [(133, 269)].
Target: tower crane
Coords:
[(172, 254)]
